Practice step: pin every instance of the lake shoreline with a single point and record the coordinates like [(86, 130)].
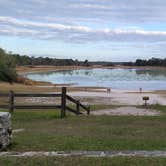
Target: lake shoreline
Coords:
[(37, 69), (112, 79), (38, 86)]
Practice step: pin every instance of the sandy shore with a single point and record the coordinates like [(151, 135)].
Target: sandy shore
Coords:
[(38, 69), (126, 100), (119, 97), (87, 95), (93, 95), (32, 69), (127, 111)]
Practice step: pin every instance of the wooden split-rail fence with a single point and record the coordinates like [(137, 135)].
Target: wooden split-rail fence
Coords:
[(62, 106)]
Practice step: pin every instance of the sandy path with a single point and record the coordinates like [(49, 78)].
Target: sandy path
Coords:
[(127, 111), (119, 97)]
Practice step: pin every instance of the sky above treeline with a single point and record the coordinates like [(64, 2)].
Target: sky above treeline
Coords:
[(97, 30)]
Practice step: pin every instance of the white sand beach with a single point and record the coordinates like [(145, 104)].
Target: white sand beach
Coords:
[(126, 111), (119, 97)]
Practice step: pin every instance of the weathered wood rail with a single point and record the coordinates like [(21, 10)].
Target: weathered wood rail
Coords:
[(63, 106)]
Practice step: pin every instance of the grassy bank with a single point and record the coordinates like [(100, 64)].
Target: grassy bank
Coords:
[(44, 130), (43, 87), (161, 108)]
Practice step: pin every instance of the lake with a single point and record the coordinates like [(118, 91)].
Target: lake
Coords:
[(148, 79)]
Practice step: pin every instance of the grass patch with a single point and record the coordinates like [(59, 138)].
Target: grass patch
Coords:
[(96, 107), (101, 107), (82, 161), (158, 107), (44, 130)]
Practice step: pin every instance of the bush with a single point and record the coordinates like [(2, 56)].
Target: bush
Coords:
[(7, 67)]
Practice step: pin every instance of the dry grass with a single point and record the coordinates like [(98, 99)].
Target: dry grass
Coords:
[(6, 87)]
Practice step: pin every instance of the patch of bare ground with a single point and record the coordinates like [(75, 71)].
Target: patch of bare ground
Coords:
[(119, 97), (127, 111)]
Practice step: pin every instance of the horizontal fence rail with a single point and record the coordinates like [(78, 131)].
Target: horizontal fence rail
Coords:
[(4, 95), (63, 106), (37, 95), (37, 107), (4, 106)]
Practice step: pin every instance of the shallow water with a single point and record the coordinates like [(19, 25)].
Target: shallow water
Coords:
[(148, 79)]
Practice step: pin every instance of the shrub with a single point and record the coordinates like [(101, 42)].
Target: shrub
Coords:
[(7, 67)]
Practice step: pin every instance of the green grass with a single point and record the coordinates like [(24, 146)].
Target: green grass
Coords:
[(82, 161), (101, 107), (44, 130), (95, 107), (158, 107), (161, 108)]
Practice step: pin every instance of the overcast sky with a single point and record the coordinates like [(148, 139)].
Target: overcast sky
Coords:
[(110, 30)]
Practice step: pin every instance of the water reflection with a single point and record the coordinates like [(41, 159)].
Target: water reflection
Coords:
[(116, 78), (152, 72)]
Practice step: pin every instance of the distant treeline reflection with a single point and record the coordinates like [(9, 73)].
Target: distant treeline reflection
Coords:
[(87, 72), (152, 72)]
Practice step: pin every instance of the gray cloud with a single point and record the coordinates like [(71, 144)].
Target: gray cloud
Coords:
[(75, 33), (61, 20), (130, 11)]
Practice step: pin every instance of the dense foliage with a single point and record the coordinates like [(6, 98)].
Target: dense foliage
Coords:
[(27, 60), (7, 67), (150, 62), (21, 60)]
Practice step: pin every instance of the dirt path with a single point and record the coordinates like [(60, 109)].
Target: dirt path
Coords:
[(127, 111)]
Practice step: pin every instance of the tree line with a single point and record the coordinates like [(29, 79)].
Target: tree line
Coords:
[(9, 61), (149, 62), (22, 60)]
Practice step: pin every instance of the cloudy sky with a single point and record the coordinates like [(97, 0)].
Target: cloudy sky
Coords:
[(110, 30)]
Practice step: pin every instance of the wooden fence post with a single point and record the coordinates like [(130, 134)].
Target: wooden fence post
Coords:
[(78, 106), (11, 101), (63, 102), (88, 112)]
